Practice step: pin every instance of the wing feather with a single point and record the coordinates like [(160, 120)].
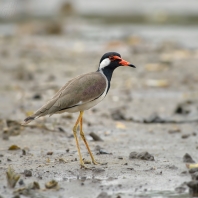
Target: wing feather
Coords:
[(80, 90)]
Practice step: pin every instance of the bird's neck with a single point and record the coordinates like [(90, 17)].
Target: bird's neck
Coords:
[(108, 71)]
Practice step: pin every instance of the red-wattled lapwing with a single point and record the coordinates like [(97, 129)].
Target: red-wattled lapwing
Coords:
[(82, 93)]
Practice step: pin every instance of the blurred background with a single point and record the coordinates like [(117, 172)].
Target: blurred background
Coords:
[(156, 20)]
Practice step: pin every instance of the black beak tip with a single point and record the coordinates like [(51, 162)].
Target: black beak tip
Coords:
[(130, 65)]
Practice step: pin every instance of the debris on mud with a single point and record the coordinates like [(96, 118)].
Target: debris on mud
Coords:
[(61, 160), (193, 188), (182, 188), (50, 153), (155, 118), (186, 107), (103, 195), (14, 147), (37, 97), (120, 125), (143, 156), (21, 182), (10, 128), (60, 129), (118, 114), (24, 152), (98, 170), (172, 167), (185, 136), (28, 173), (190, 166), (28, 190), (95, 137), (130, 168), (193, 170), (52, 184), (12, 177), (103, 152), (174, 130), (188, 159)]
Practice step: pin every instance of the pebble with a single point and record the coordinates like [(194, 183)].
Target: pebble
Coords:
[(67, 150), (102, 152), (98, 170), (143, 156), (95, 137), (188, 159), (185, 136), (37, 97), (23, 152), (193, 170), (103, 195), (21, 182), (61, 129), (27, 173)]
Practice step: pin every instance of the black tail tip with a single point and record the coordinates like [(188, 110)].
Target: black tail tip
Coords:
[(28, 120)]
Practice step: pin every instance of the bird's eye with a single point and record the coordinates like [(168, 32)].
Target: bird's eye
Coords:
[(111, 58)]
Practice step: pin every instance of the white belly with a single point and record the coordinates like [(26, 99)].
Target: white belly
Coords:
[(85, 106)]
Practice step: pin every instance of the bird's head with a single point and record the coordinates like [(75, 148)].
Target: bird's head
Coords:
[(112, 60)]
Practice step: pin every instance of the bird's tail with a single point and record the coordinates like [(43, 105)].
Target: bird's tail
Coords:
[(28, 120), (46, 109)]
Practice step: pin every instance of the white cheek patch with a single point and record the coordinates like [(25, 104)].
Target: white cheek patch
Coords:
[(105, 63)]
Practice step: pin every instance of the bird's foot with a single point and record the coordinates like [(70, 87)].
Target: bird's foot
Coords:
[(95, 162), (83, 166), (83, 162)]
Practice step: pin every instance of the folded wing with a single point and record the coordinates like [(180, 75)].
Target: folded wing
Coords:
[(77, 91)]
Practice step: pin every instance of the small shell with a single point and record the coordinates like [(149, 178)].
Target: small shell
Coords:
[(51, 184), (12, 177), (14, 147)]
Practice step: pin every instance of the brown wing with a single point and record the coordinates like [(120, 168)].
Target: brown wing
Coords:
[(79, 90)]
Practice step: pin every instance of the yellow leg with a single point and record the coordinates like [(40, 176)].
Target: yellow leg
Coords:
[(84, 139), (77, 144)]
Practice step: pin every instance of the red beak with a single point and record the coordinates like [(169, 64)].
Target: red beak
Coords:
[(122, 61), (125, 63)]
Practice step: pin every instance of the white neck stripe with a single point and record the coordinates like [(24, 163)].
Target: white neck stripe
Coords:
[(104, 63)]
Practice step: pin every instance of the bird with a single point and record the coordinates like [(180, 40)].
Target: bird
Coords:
[(82, 93)]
